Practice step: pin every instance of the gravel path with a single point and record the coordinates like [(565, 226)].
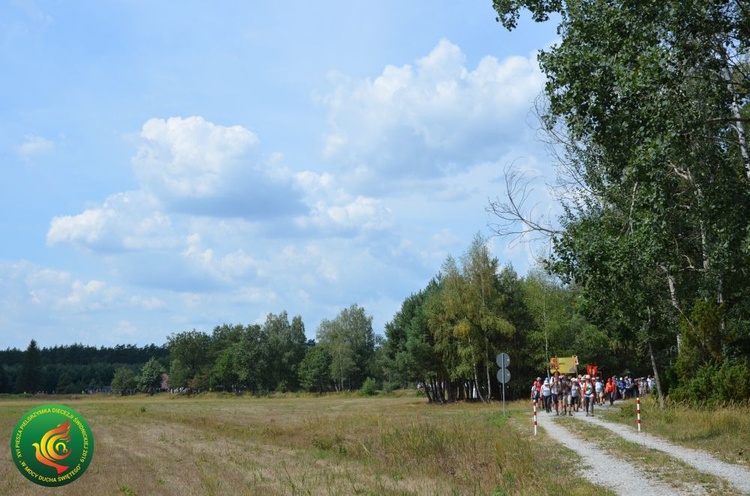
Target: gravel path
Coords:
[(736, 475), (600, 461), (597, 464)]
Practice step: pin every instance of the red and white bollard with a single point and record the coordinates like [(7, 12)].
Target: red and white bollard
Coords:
[(535, 423), (638, 411)]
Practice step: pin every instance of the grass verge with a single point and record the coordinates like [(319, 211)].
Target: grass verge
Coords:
[(656, 464), (723, 432)]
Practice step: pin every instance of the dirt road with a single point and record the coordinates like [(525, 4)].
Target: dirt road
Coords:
[(627, 478)]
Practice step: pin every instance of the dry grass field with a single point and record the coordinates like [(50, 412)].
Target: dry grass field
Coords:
[(333, 445)]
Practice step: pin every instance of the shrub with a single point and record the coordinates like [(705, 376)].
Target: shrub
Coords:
[(716, 385), (390, 386), (369, 387)]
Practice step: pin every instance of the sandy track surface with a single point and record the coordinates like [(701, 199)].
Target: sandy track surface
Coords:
[(736, 475), (600, 462)]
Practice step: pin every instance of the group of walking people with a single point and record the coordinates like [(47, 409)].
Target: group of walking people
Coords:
[(566, 395)]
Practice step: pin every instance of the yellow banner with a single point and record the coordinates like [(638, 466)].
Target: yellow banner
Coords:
[(564, 365)]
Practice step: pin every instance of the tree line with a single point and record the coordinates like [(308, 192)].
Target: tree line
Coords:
[(443, 340), (70, 368)]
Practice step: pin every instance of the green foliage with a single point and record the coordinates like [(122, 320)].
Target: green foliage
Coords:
[(389, 387), (223, 368), (252, 359), (69, 378), (30, 377), (509, 10), (5, 384), (645, 100), (234, 357), (150, 378), (350, 342), (702, 338), (715, 385), (224, 373), (409, 351), (369, 387), (189, 354), (178, 375), (78, 354), (124, 380), (286, 349), (75, 368), (551, 307), (447, 336), (468, 319), (314, 371)]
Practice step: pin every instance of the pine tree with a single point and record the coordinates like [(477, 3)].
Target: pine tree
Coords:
[(30, 377)]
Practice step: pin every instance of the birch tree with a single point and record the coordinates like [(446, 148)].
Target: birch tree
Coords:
[(350, 342), (650, 96)]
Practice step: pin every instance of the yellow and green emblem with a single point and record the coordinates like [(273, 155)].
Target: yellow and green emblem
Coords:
[(52, 445)]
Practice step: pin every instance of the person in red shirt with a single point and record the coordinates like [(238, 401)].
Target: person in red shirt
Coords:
[(609, 389), (536, 390)]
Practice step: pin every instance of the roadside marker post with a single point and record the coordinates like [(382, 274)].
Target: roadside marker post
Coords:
[(535, 422), (638, 412)]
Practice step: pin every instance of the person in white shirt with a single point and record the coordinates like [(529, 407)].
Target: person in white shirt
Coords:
[(547, 396), (556, 389), (575, 395), (588, 395), (599, 390)]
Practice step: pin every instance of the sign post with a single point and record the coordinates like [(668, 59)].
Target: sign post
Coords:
[(503, 375)]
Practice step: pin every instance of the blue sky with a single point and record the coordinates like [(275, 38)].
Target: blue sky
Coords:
[(171, 166)]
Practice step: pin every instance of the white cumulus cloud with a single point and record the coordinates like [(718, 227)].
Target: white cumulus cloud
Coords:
[(432, 118), (198, 167), (125, 221), (191, 157)]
